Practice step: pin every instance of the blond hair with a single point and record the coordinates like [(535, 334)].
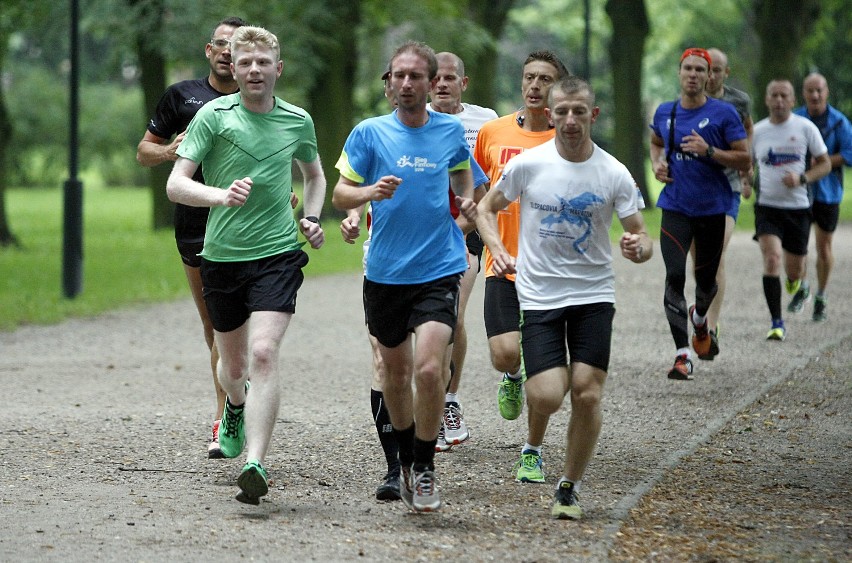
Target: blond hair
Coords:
[(250, 37)]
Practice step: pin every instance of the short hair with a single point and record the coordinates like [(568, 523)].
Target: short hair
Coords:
[(421, 49), (781, 81), (456, 59), (571, 85), (548, 57), (252, 36), (232, 21)]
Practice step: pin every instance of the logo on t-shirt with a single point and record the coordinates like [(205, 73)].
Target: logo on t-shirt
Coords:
[(576, 212), (419, 163), (773, 158), (193, 100)]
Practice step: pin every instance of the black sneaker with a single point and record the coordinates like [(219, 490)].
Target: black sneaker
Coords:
[(565, 505), (820, 304), (798, 302), (389, 489)]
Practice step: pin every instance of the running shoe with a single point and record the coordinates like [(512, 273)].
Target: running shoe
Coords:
[(425, 488), (700, 336), (565, 505), (232, 433), (777, 332), (714, 346), (213, 450), (510, 397), (820, 306), (530, 468), (793, 286), (682, 368), (389, 489), (441, 445), (252, 482), (406, 492), (455, 430), (799, 299)]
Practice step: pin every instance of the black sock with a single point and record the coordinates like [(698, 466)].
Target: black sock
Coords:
[(384, 428), (405, 442), (424, 455), (772, 291)]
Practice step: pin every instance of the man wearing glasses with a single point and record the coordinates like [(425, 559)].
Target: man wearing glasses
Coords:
[(175, 110)]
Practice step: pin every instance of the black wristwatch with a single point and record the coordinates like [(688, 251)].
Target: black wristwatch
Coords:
[(711, 150), (803, 180), (313, 219)]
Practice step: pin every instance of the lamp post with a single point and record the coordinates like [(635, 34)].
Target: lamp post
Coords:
[(72, 249)]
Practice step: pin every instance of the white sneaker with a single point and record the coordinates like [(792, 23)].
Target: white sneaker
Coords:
[(441, 445), (425, 488), (455, 430)]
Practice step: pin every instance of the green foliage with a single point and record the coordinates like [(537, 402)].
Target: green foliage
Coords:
[(124, 261)]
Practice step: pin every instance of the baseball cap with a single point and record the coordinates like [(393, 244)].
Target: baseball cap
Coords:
[(386, 74)]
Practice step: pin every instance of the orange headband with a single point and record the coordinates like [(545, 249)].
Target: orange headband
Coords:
[(696, 52)]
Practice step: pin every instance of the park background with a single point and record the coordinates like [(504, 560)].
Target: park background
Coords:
[(334, 52)]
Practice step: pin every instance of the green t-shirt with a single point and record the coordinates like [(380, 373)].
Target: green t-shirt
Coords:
[(232, 142)]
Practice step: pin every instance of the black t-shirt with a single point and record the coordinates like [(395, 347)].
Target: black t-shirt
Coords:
[(175, 110)]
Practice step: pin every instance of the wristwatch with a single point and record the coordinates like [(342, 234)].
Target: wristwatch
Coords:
[(711, 150), (313, 219), (803, 180)]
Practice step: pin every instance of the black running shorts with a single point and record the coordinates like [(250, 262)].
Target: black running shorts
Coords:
[(394, 311), (502, 312), (234, 290), (792, 226), (584, 330)]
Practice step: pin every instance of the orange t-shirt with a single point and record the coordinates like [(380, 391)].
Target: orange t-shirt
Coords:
[(498, 142)]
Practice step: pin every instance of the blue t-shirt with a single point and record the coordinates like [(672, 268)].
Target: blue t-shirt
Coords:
[(414, 238), (700, 186), (836, 131)]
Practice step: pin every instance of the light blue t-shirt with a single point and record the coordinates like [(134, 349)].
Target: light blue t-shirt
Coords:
[(414, 238), (700, 187)]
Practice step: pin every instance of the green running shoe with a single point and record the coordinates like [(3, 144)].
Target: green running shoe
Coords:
[(510, 397), (530, 468), (232, 433), (252, 482), (820, 305), (792, 286), (800, 299), (566, 506)]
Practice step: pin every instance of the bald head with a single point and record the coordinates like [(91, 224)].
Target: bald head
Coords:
[(450, 59), (815, 93), (719, 72)]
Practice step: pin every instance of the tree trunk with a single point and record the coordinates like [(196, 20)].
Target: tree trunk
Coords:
[(330, 98), (152, 66), (782, 26), (630, 27), (491, 15), (7, 238)]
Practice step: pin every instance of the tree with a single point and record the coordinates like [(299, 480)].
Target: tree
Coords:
[(630, 27), (491, 15), (7, 238), (782, 26)]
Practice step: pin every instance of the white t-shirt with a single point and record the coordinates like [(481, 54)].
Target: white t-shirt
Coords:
[(564, 252), (473, 117), (780, 148)]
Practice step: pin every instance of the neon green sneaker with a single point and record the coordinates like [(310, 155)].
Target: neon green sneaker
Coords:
[(792, 286), (252, 482), (530, 468), (510, 397), (232, 433)]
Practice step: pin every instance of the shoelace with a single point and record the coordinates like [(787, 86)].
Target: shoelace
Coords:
[(231, 423), (424, 484), (511, 388), (452, 418), (530, 461)]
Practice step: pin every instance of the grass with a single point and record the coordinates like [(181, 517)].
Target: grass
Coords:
[(124, 261)]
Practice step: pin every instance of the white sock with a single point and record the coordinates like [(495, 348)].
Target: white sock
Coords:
[(684, 352), (530, 447), (516, 376), (451, 398), (564, 479), (697, 319)]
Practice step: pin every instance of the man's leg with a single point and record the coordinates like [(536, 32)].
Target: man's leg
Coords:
[(825, 258), (193, 278), (715, 309), (389, 489), (770, 248), (267, 330)]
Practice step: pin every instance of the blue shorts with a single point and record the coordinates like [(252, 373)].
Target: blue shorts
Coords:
[(734, 210)]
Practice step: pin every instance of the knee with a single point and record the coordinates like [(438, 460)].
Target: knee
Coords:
[(505, 358), (264, 354), (429, 373), (586, 399), (543, 401)]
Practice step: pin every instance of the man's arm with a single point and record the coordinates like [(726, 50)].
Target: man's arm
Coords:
[(461, 182), (153, 150), (350, 227), (349, 194), (658, 159), (486, 224), (737, 157), (635, 243), (314, 198), (181, 188)]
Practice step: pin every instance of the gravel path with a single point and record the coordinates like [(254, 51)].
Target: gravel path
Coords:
[(105, 427)]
